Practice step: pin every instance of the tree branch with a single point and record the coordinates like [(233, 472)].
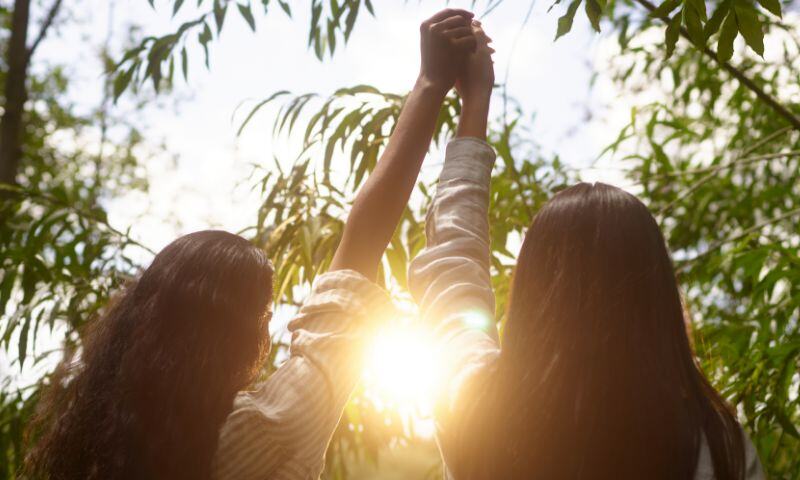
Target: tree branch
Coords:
[(779, 108), (46, 24)]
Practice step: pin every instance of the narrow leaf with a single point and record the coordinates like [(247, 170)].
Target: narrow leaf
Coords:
[(692, 21), (121, 82), (726, 37), (565, 22), (672, 33), (258, 107), (177, 6), (772, 6), (715, 22), (593, 11), (219, 14), (750, 27), (699, 6), (185, 64), (665, 8), (247, 14)]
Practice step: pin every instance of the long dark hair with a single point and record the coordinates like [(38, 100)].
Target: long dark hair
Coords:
[(596, 377), (157, 372)]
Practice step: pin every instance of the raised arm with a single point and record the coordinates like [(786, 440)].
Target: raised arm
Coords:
[(447, 38), (282, 429), (450, 278)]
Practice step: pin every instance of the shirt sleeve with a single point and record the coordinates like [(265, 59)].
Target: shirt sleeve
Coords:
[(450, 278), (282, 429)]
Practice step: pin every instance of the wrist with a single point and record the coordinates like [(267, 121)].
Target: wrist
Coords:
[(476, 100), (427, 85), (474, 118)]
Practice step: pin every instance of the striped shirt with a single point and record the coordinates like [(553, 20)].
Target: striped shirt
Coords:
[(281, 430), (451, 282)]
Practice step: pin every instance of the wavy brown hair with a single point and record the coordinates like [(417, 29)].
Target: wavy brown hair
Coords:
[(596, 377), (158, 370)]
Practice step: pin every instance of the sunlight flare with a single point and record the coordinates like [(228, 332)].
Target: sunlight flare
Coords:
[(403, 368)]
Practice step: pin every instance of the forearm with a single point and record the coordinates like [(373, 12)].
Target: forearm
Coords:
[(474, 116), (380, 202)]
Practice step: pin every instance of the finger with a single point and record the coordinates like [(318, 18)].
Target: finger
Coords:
[(481, 32), (464, 43), (458, 32), (449, 12), (449, 23)]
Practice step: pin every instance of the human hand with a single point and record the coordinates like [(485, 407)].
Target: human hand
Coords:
[(476, 80), (446, 40)]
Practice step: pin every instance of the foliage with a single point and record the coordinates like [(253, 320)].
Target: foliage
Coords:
[(60, 257), (155, 58), (722, 170)]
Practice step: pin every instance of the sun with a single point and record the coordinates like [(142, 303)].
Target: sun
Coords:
[(402, 369)]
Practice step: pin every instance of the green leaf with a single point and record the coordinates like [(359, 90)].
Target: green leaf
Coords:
[(565, 21), (176, 7), (331, 36), (672, 33), (350, 22), (121, 82), (258, 107), (219, 14), (715, 22), (665, 8), (313, 30), (699, 6), (185, 64), (786, 423), (593, 11), (726, 37), (772, 6), (695, 28), (247, 14), (750, 27), (204, 37), (286, 8)]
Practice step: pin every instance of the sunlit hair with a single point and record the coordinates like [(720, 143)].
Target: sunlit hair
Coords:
[(159, 369), (596, 378)]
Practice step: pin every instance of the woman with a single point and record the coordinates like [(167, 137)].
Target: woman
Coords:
[(596, 377), (153, 393)]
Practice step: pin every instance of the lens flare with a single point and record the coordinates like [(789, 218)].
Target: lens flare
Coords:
[(402, 369)]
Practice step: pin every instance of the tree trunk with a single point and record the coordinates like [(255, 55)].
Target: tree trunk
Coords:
[(16, 93)]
